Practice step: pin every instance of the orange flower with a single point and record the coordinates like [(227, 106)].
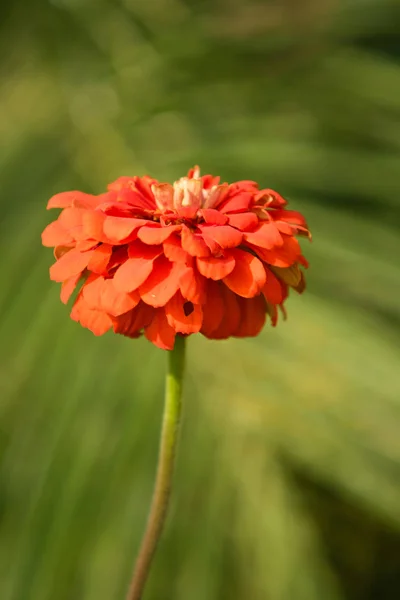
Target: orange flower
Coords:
[(162, 259)]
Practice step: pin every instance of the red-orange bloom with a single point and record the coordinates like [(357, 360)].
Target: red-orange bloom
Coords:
[(162, 259)]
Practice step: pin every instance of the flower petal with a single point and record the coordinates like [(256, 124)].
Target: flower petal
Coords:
[(274, 290), (156, 234), (160, 332), (92, 225), (216, 268), (244, 221), (265, 236), (231, 316), (192, 285), (97, 321), (224, 235), (290, 275), (213, 309), (240, 202), (66, 199), (183, 316), (137, 267), (193, 243), (252, 316), (100, 258), (173, 250), (70, 264), (72, 220), (213, 217), (132, 322), (248, 276), (120, 229), (162, 283), (284, 256), (68, 287), (99, 293), (56, 235)]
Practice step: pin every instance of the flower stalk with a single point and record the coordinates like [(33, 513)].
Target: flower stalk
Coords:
[(165, 468)]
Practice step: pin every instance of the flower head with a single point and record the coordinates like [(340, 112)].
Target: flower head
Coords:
[(162, 259)]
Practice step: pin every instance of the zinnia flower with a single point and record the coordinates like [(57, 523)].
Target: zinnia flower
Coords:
[(162, 259)]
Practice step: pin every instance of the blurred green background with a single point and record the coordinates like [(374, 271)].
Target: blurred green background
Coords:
[(288, 478)]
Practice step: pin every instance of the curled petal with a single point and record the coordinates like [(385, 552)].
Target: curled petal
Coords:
[(213, 217), (244, 221), (240, 202), (156, 234), (248, 277), (224, 235), (100, 293), (265, 236), (66, 199), (216, 268), (164, 196)]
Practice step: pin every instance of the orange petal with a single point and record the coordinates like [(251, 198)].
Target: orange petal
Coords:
[(132, 322), (213, 217), (151, 234), (137, 267), (244, 221), (224, 235), (65, 199), (92, 225), (290, 216), (193, 243), (265, 236), (182, 315), (252, 316), (120, 229), (174, 251), (162, 283), (68, 286), (99, 293), (160, 332), (116, 303), (213, 310), (100, 258), (216, 268), (284, 256), (273, 290), (56, 235), (132, 274), (248, 276), (192, 285), (96, 320), (231, 316), (69, 264), (241, 202), (72, 220)]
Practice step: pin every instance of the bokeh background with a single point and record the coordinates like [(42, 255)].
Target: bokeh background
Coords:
[(288, 479)]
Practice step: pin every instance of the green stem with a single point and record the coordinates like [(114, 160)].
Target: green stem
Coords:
[(162, 488)]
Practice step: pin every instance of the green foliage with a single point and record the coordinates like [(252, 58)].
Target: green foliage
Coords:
[(287, 486)]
